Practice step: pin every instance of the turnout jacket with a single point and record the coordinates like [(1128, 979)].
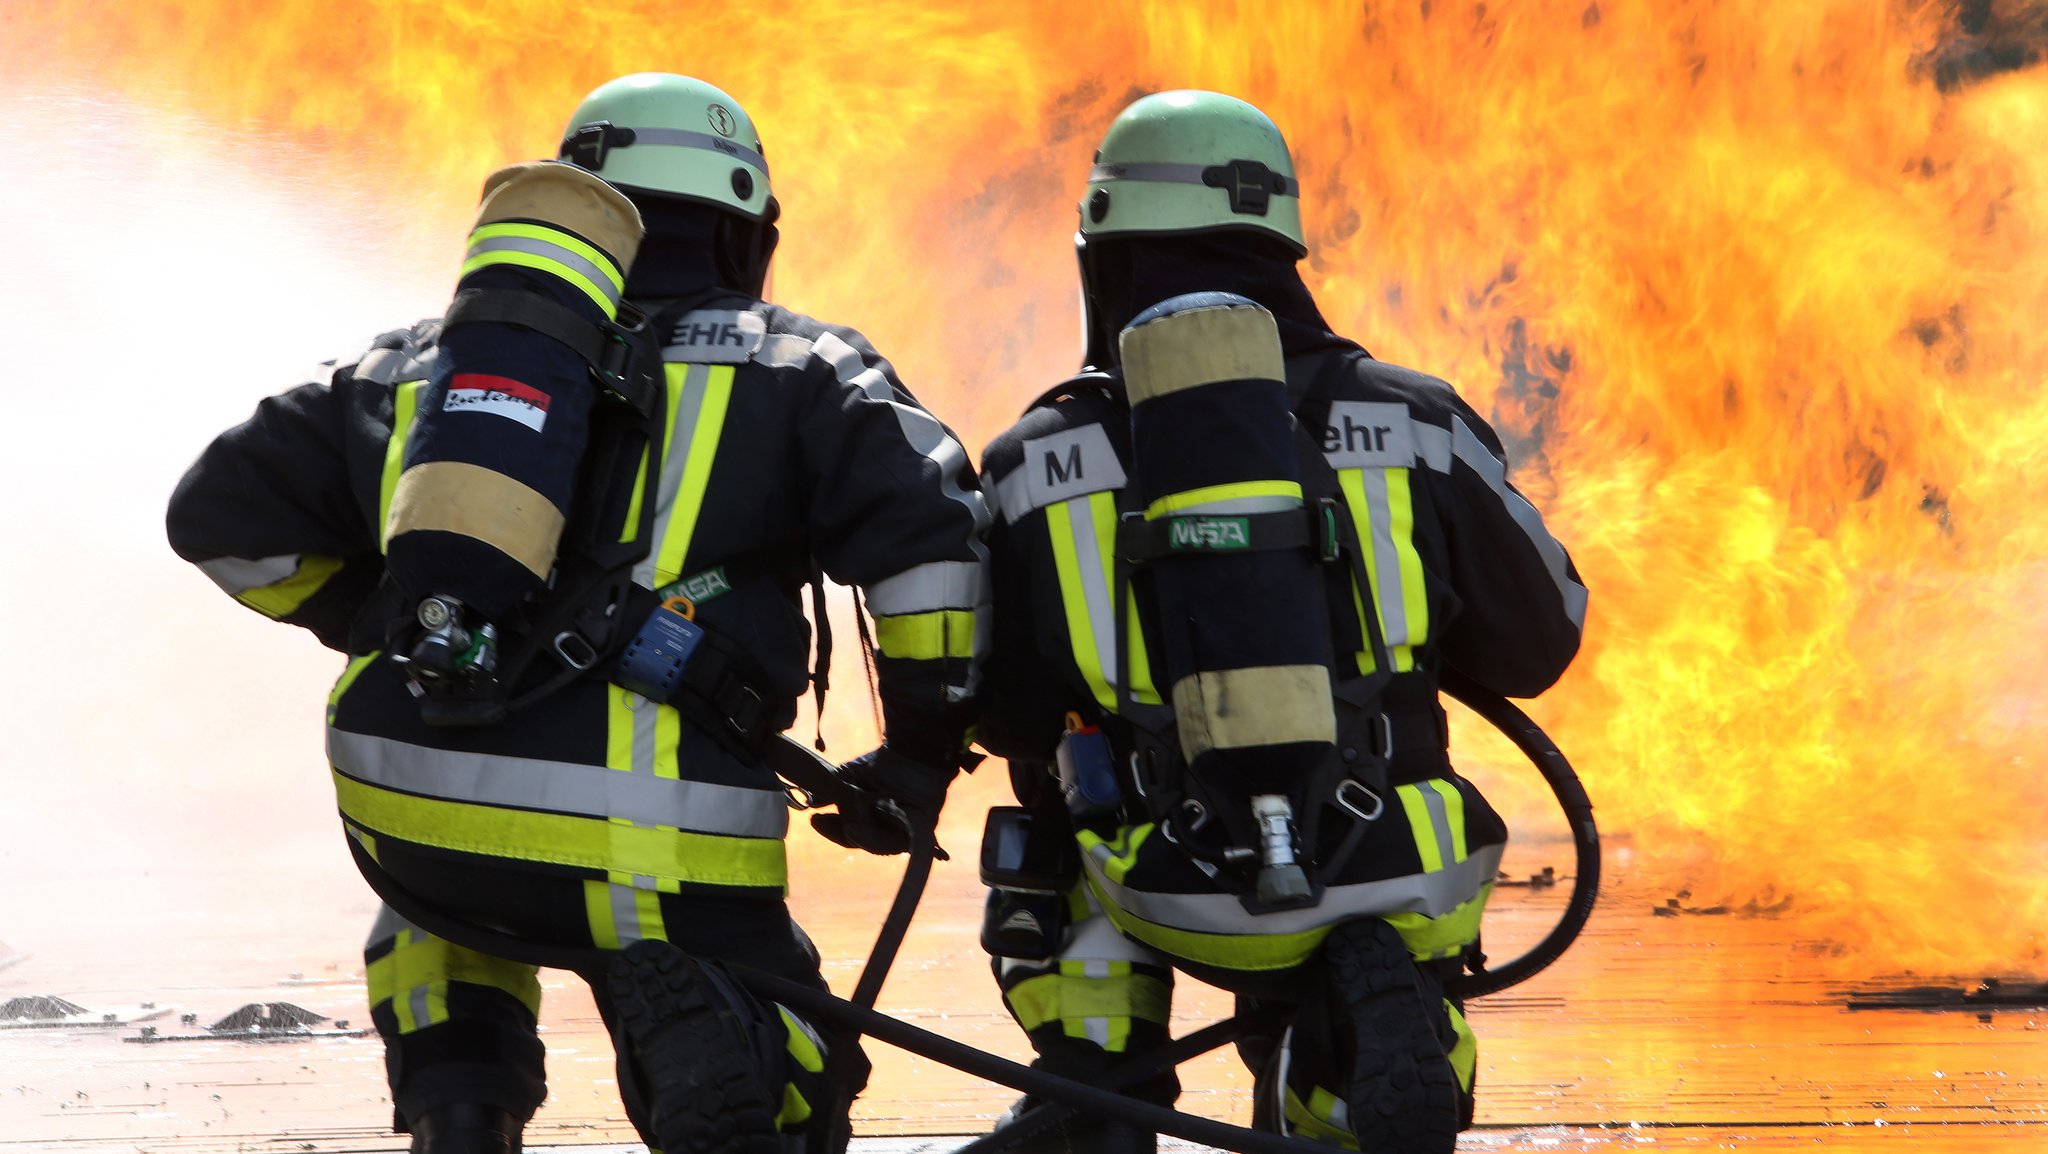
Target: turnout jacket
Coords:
[(1463, 572), (783, 439)]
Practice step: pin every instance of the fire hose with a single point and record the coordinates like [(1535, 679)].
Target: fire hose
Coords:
[(814, 783)]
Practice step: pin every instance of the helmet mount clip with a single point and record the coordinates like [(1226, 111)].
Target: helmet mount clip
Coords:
[(1251, 185), (587, 145)]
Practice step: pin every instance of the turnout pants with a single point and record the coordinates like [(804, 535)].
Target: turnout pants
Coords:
[(459, 1026), (1143, 910)]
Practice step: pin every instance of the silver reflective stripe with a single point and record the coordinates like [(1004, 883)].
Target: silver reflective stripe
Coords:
[(602, 278), (422, 1013), (387, 926), (1429, 894), (1236, 507), (1094, 573), (932, 586), (559, 787), (1467, 447), (675, 454), (626, 912), (1094, 940), (683, 138), (1391, 597), (238, 575), (1013, 494), (1439, 820), (1171, 174), (924, 432)]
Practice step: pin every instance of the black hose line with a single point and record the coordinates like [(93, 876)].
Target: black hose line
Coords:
[(1542, 752), (1130, 1072)]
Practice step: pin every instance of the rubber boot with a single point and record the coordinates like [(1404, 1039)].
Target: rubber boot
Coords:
[(1403, 1094), (685, 1023), (465, 1128)]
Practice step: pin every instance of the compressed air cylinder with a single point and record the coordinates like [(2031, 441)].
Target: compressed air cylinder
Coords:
[(1244, 639), (491, 459)]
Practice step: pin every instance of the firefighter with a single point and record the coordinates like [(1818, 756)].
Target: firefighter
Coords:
[(1427, 559), (569, 749)]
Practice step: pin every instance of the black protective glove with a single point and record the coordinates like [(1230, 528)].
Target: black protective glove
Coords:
[(902, 795)]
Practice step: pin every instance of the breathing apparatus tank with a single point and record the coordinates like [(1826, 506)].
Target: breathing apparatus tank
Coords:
[(1243, 636), (492, 457)]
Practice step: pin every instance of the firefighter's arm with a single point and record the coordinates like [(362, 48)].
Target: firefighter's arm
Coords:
[(1522, 604), (267, 513), (895, 508)]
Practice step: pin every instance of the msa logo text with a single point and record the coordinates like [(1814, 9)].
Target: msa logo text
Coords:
[(1208, 533), (705, 586)]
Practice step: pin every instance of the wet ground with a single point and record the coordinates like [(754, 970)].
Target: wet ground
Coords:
[(1687, 1030)]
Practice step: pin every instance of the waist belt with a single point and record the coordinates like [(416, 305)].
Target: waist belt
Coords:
[(675, 661)]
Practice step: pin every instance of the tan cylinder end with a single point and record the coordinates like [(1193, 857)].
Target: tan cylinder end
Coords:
[(1186, 350), (569, 197)]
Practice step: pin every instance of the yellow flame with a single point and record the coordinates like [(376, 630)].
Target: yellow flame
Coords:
[(1755, 302)]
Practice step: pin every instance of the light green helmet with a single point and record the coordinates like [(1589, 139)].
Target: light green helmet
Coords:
[(673, 135), (1190, 161)]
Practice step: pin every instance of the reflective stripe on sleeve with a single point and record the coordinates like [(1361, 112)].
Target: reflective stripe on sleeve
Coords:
[(931, 636), (922, 430), (273, 586), (934, 585)]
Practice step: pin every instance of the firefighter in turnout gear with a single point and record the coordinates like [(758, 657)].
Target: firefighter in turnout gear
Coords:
[(1246, 782), (553, 715)]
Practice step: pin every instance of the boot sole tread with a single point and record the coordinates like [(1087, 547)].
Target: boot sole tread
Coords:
[(1404, 1094), (695, 1053)]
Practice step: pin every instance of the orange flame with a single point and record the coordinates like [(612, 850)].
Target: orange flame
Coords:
[(1753, 291)]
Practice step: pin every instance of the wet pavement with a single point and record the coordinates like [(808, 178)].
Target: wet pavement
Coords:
[(1693, 1029)]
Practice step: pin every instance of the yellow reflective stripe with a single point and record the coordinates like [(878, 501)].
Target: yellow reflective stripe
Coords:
[(597, 908), (1422, 826), (1225, 951), (355, 668), (794, 1108), (1414, 593), (1454, 813), (1311, 1120), (1117, 857), (405, 405), (926, 636), (1059, 526), (1464, 1054), (1447, 936), (1069, 998), (567, 240), (801, 1047), (561, 839), (681, 525), (605, 297), (1102, 506), (421, 961), (283, 598), (1402, 530), (632, 525), (1207, 494)]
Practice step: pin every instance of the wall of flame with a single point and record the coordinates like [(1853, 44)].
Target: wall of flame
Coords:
[(1753, 290)]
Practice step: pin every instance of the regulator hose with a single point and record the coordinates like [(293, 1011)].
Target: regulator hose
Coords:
[(1536, 745)]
